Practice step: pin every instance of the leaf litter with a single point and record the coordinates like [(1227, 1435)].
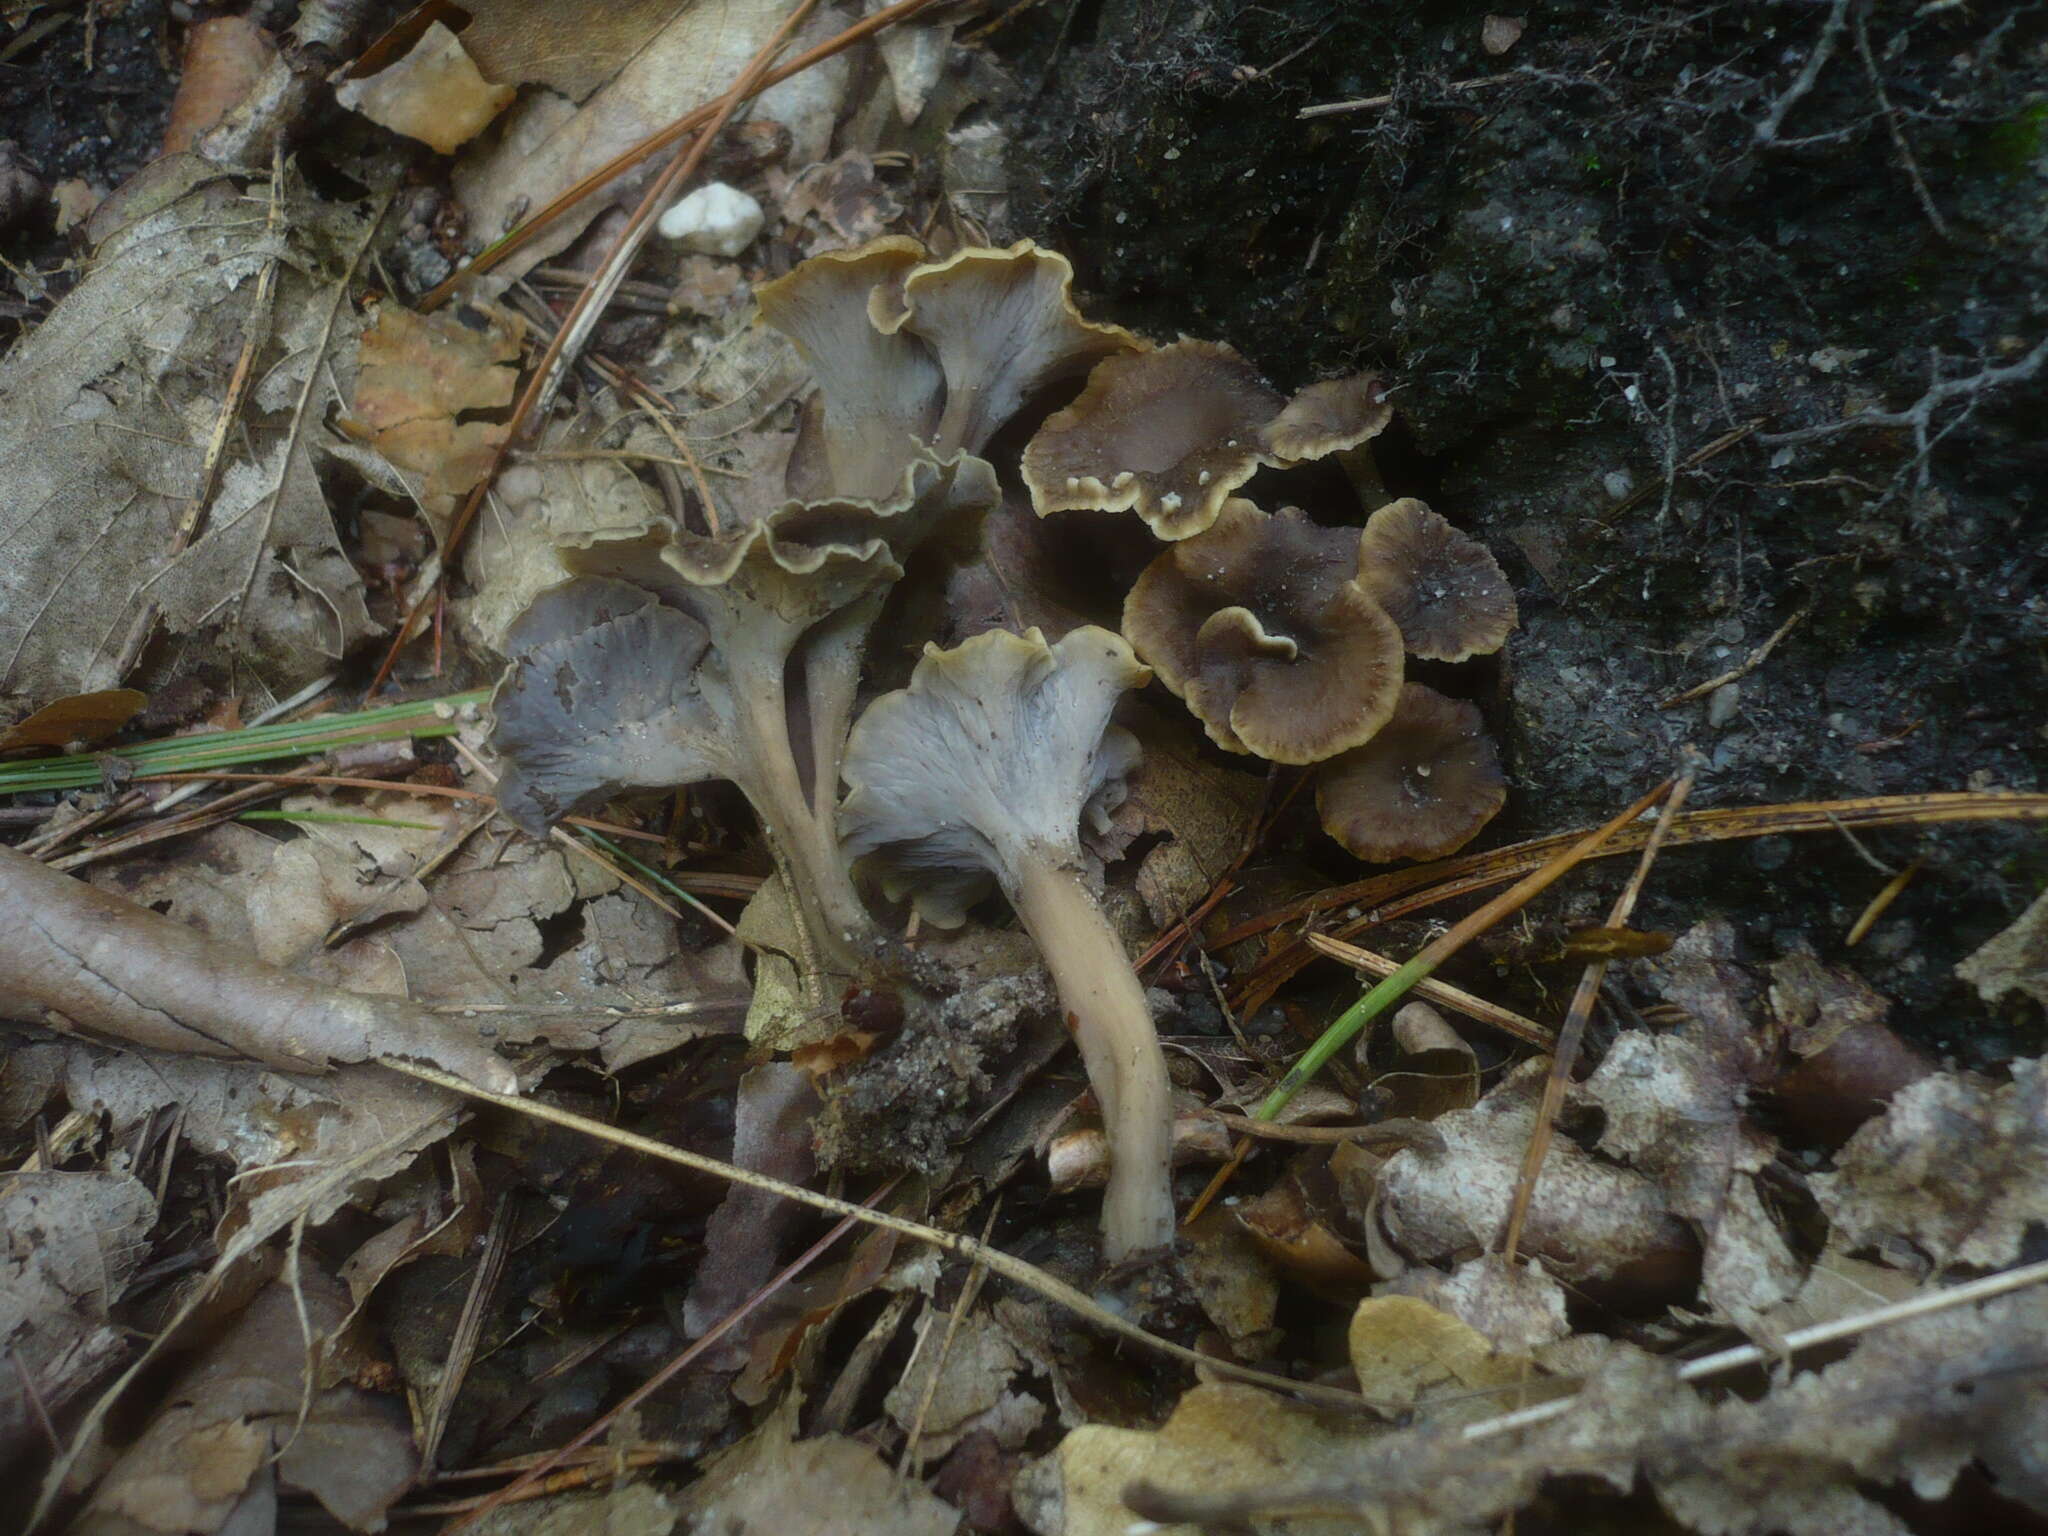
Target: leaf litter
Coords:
[(1753, 1153)]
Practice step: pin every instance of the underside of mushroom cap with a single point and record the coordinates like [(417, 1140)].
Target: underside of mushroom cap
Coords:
[(1168, 433), (910, 353), (1003, 325), (1420, 789), (1443, 587), (604, 694), (880, 394), (1260, 628), (1327, 418), (994, 754)]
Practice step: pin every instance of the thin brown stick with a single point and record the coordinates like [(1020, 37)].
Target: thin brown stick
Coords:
[(1374, 103), (1747, 665), (1892, 890), (1011, 1268), (1574, 1029)]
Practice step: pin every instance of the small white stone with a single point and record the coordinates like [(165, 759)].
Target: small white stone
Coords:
[(716, 219), (1202, 478)]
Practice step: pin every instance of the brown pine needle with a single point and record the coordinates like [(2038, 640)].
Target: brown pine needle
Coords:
[(1881, 902), (1440, 992), (1574, 1030)]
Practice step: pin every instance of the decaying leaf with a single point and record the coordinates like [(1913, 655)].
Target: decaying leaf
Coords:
[(1958, 1167), (2014, 959), (209, 1453), (1221, 1439), (76, 957), (106, 412), (975, 1391), (71, 1242), (418, 375), (1405, 1351), (773, 1484), (434, 94)]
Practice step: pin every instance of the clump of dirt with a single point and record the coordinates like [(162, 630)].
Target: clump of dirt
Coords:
[(1631, 277)]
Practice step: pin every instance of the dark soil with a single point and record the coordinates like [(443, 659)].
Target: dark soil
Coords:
[(1584, 273)]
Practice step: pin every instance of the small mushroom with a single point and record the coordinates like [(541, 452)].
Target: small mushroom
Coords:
[(981, 772), (1327, 418), (1168, 434), (1442, 587), (1261, 628), (1420, 789)]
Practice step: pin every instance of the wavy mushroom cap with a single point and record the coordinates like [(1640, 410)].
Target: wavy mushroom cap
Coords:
[(1259, 626), (603, 695), (1444, 588), (1329, 417), (997, 751), (1420, 789), (911, 354), (1168, 434)]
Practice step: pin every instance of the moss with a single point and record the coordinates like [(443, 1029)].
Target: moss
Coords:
[(2009, 149)]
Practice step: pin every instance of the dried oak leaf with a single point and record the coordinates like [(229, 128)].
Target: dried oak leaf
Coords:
[(1958, 1166), (417, 377), (106, 412)]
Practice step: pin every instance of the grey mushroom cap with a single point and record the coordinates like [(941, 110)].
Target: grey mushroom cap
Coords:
[(604, 694), (998, 749)]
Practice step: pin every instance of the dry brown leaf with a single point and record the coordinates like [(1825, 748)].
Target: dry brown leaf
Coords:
[(1958, 1167), (975, 1393), (1221, 1438), (74, 957), (224, 58), (418, 375), (548, 143), (2013, 960), (197, 1462), (1236, 1287), (1589, 1218), (434, 94), (82, 719), (772, 1484), (72, 1242), (572, 48), (1405, 1352), (106, 409), (1519, 1308)]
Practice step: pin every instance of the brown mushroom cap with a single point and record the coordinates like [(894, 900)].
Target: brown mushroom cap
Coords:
[(1259, 626), (1443, 588), (1328, 417), (1168, 433), (1421, 788)]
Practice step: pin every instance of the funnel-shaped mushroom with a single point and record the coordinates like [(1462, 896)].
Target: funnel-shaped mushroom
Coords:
[(1442, 587), (1260, 626), (908, 352), (1329, 417), (772, 616), (1420, 789), (981, 772)]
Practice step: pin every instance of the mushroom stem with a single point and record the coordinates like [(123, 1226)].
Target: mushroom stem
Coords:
[(804, 840), (1106, 1012)]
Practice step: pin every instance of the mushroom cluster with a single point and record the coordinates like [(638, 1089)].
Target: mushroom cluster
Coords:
[(729, 641)]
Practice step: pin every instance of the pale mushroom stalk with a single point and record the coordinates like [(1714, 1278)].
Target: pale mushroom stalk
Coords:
[(1112, 1026), (983, 770)]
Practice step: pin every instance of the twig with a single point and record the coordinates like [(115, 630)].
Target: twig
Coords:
[(1920, 414), (1891, 122), (1747, 665), (1576, 1015), (469, 1327), (1880, 903), (1374, 103), (1744, 1355), (1007, 1265), (1816, 61)]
